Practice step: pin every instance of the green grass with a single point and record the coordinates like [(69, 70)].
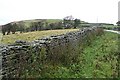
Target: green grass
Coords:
[(100, 57), (30, 36), (53, 20), (98, 60), (84, 24), (27, 23)]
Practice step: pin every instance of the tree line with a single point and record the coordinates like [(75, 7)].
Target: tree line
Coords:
[(67, 23)]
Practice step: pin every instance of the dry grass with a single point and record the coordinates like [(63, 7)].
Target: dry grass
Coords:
[(30, 36)]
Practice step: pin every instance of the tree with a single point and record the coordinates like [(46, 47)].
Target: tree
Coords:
[(68, 22), (3, 30), (52, 25), (59, 25), (10, 27), (21, 27), (40, 25), (76, 23), (46, 26), (13, 27)]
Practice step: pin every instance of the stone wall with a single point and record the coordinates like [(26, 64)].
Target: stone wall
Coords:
[(22, 57)]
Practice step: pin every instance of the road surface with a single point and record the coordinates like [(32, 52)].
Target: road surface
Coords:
[(118, 32)]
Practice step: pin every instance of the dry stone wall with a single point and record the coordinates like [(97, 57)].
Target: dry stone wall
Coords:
[(21, 57)]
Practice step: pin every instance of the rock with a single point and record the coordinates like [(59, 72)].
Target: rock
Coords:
[(20, 41)]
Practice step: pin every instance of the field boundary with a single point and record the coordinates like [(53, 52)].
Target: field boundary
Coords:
[(21, 57)]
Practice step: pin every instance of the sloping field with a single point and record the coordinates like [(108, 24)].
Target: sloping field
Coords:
[(29, 36), (27, 23)]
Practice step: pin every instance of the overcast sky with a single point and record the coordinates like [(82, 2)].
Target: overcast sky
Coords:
[(87, 10)]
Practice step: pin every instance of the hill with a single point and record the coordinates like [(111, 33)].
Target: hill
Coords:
[(28, 23)]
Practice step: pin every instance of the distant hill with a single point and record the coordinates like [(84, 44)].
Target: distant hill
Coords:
[(27, 23)]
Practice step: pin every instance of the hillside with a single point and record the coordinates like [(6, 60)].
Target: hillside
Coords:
[(27, 23)]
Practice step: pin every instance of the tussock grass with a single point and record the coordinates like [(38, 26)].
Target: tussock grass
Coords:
[(30, 36)]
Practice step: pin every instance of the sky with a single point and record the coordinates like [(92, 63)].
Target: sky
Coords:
[(101, 11)]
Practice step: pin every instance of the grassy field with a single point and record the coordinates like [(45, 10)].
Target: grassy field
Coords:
[(53, 20), (28, 23), (29, 36), (99, 60)]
